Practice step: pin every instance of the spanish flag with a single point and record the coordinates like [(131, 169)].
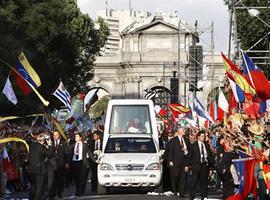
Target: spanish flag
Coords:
[(238, 77), (177, 109)]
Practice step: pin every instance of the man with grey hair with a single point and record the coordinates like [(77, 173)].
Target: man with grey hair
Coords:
[(177, 159), (39, 151)]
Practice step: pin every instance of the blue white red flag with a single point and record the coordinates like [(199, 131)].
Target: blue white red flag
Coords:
[(200, 110), (247, 182), (238, 93), (256, 77)]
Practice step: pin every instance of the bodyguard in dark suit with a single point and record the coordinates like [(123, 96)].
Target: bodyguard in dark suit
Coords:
[(95, 145), (166, 167), (61, 156), (201, 159), (177, 159), (81, 156), (38, 152)]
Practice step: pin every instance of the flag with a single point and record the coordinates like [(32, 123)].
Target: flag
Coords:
[(27, 75), (9, 92), (222, 102), (62, 94), (199, 109), (266, 174), (150, 94), (245, 171), (212, 109), (223, 106), (262, 108), (233, 104), (160, 111), (215, 109), (177, 109), (256, 77), (238, 76), (251, 109), (90, 98), (238, 93)]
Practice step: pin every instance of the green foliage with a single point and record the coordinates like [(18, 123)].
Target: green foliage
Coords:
[(252, 29), (58, 40)]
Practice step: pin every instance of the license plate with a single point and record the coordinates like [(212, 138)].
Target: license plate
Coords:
[(130, 180)]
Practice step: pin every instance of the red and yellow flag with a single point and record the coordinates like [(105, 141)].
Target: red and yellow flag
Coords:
[(177, 109), (237, 75)]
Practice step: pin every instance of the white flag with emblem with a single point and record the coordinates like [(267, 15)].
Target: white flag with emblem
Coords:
[(9, 92)]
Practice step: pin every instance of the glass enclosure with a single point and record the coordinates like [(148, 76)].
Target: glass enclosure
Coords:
[(130, 145), (130, 119)]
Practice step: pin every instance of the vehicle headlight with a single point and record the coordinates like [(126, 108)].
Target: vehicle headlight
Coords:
[(105, 166), (153, 166)]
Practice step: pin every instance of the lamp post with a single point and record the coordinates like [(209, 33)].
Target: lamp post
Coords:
[(254, 13)]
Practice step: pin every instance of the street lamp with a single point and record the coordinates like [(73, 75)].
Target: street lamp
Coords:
[(254, 13)]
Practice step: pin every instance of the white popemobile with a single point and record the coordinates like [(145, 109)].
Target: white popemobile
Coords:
[(130, 154)]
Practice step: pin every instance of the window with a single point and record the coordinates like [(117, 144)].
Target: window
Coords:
[(130, 119), (130, 145)]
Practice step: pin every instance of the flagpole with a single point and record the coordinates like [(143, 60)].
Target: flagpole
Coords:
[(45, 102)]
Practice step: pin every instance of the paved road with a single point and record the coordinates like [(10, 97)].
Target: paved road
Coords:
[(114, 195), (122, 194)]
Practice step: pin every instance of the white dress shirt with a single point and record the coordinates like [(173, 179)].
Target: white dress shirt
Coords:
[(77, 156), (204, 151), (182, 141)]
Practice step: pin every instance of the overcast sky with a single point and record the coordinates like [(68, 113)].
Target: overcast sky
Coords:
[(205, 11)]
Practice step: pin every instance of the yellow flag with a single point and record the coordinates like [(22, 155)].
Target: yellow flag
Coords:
[(30, 70)]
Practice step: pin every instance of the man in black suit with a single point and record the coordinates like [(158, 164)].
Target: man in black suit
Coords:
[(81, 156), (177, 159), (61, 156), (201, 159), (39, 151), (166, 168), (95, 145)]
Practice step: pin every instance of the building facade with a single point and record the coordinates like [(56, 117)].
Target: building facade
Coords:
[(153, 52), (117, 20)]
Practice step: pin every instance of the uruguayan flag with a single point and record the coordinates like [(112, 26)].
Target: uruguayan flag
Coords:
[(62, 94)]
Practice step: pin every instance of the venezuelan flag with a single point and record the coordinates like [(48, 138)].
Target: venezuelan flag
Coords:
[(238, 76), (26, 75)]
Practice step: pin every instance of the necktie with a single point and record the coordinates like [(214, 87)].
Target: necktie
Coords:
[(181, 142), (202, 152), (77, 149), (56, 144), (96, 145)]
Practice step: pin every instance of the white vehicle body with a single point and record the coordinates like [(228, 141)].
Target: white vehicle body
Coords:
[(130, 152)]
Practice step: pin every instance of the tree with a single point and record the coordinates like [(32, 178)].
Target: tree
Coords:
[(58, 40), (251, 29)]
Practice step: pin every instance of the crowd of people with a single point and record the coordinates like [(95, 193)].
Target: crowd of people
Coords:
[(51, 164), (194, 159)]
